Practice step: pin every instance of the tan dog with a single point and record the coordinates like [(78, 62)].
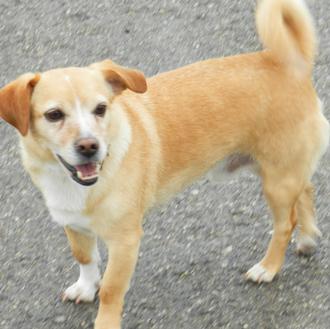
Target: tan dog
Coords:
[(102, 153)]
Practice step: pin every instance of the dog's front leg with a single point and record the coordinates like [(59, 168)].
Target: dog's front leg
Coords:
[(123, 246), (84, 249)]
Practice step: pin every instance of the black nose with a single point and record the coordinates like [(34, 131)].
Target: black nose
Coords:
[(87, 146)]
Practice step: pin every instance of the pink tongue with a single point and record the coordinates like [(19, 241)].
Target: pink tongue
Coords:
[(88, 169)]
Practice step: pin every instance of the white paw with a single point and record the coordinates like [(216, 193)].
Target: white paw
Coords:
[(306, 245), (81, 291), (259, 274), (85, 288)]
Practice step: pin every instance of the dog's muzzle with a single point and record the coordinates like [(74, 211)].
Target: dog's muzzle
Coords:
[(85, 174)]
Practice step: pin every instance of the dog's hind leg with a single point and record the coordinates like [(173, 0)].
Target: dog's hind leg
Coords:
[(308, 230), (84, 249), (282, 189)]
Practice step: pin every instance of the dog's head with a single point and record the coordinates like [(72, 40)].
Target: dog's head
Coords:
[(66, 112)]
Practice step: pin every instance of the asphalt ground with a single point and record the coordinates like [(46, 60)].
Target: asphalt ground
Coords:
[(196, 248)]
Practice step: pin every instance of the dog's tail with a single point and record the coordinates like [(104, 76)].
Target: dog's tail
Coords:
[(286, 28)]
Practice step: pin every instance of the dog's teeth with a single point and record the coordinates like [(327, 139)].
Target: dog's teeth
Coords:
[(80, 176), (90, 177)]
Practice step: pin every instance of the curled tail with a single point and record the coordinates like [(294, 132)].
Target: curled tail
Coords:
[(286, 28)]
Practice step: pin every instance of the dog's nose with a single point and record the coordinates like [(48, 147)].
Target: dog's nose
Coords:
[(87, 146)]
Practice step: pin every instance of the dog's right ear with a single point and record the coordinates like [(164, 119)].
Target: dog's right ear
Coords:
[(15, 101)]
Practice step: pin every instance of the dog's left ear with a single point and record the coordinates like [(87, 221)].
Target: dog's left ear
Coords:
[(15, 101), (122, 78)]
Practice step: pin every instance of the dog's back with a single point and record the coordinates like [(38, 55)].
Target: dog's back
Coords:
[(251, 103)]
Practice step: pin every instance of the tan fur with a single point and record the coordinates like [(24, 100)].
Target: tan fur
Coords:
[(121, 78), (15, 101), (286, 28), (189, 120), (81, 245)]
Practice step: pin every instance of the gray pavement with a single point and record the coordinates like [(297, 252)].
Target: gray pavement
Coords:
[(195, 249)]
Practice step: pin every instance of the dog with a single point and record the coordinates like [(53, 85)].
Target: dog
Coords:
[(104, 145)]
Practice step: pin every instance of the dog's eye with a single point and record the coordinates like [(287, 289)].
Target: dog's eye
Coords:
[(54, 115), (100, 110)]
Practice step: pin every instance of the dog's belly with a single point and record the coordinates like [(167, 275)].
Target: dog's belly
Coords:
[(232, 165), (222, 170)]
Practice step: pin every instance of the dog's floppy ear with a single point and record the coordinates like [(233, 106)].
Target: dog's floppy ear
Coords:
[(121, 77), (15, 101)]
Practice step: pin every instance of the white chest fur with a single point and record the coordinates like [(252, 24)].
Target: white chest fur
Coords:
[(64, 198)]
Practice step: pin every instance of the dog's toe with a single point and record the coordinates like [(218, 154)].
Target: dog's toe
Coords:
[(259, 274), (80, 292)]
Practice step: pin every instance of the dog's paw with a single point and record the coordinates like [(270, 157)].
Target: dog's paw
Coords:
[(259, 274), (306, 245), (81, 291)]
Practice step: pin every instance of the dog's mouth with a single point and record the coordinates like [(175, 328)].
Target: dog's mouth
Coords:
[(85, 174)]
